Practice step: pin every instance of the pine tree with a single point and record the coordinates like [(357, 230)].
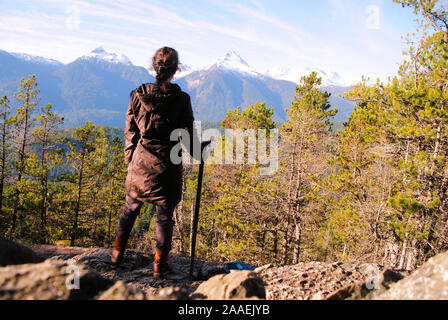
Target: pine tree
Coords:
[(114, 188), (4, 151), (433, 11), (304, 137), (79, 156), (236, 197), (47, 139), (22, 124), (390, 173)]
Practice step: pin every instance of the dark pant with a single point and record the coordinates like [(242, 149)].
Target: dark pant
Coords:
[(164, 226)]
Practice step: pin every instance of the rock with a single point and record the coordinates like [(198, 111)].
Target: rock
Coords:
[(99, 260), (48, 251), (262, 268), (13, 253), (318, 296), (237, 285), (428, 282), (319, 280), (375, 282), (121, 291), (48, 281), (210, 269), (348, 291), (172, 293)]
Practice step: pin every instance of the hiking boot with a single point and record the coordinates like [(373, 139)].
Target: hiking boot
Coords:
[(118, 251), (161, 265)]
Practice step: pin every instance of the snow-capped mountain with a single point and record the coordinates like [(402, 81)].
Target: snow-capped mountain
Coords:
[(232, 61), (329, 78), (96, 86), (36, 59), (100, 54), (231, 81)]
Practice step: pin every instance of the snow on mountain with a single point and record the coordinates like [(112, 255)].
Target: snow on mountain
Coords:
[(232, 61), (214, 90), (294, 75), (185, 70), (100, 54), (36, 59)]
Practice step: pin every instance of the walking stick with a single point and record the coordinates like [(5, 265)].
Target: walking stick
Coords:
[(204, 144)]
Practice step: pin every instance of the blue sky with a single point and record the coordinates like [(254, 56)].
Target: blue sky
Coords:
[(351, 37)]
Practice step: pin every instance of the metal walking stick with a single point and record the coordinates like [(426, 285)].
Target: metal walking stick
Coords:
[(204, 144)]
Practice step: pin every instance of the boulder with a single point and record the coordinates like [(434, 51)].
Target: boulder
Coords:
[(428, 282), (12, 253), (171, 293), (121, 291), (320, 280), (50, 280), (99, 260), (372, 284), (235, 285)]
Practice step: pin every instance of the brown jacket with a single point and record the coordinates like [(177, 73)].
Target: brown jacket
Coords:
[(151, 117)]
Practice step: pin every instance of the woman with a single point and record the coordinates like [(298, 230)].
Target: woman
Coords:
[(154, 111)]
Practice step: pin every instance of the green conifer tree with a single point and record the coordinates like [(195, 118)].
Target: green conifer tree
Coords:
[(22, 124)]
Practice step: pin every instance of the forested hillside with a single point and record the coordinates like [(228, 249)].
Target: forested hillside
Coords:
[(373, 191)]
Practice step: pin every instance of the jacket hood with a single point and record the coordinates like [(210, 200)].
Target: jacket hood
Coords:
[(150, 93)]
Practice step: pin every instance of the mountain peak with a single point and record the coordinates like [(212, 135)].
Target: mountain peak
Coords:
[(100, 54), (234, 62), (232, 57), (37, 59)]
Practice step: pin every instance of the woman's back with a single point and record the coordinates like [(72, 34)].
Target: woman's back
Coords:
[(156, 114), (152, 116), (155, 110)]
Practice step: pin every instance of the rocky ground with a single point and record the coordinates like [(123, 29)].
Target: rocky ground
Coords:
[(320, 281), (134, 279), (136, 269), (304, 281)]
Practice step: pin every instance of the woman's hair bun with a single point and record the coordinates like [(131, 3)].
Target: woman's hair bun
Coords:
[(165, 63)]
